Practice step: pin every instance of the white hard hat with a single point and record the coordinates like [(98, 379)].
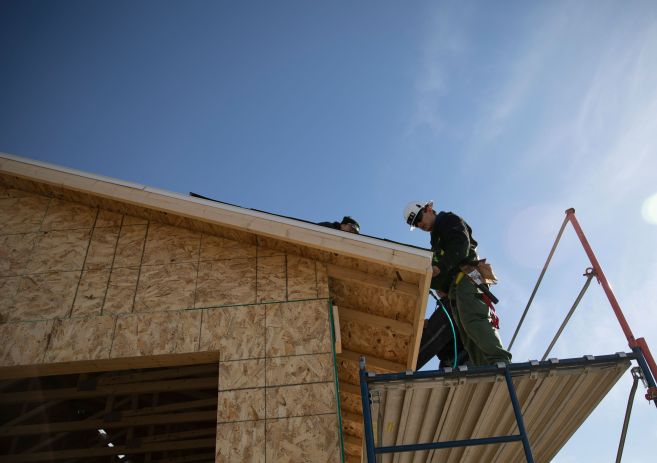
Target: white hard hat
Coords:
[(411, 211)]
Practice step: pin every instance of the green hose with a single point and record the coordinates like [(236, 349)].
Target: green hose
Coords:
[(451, 324)]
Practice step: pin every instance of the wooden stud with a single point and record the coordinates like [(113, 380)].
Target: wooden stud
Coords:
[(336, 329)]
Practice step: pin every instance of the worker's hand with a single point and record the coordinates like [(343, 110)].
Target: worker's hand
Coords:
[(441, 294), (435, 272)]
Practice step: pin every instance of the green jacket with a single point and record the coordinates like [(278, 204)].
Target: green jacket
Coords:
[(452, 245)]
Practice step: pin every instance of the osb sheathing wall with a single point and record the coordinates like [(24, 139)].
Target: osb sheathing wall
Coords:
[(83, 284)]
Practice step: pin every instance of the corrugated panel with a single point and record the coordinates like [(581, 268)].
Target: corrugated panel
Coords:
[(555, 397)]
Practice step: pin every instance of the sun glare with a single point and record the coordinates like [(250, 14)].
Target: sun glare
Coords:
[(649, 209)]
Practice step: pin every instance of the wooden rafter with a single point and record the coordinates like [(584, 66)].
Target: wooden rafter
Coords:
[(120, 389), (356, 276), (35, 429), (108, 451), (358, 316), (375, 362)]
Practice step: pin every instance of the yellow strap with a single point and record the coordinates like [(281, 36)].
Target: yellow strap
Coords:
[(459, 277)]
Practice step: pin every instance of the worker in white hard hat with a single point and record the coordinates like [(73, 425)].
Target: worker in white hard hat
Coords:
[(455, 250)]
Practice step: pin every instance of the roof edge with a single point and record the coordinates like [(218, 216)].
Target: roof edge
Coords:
[(261, 223)]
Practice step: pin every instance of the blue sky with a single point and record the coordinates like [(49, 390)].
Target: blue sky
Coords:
[(506, 113)]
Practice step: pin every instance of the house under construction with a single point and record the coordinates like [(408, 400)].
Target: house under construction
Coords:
[(139, 325)]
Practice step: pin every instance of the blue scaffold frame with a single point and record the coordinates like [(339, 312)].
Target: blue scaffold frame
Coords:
[(367, 378)]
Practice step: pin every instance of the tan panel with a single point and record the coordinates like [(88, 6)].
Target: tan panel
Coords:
[(377, 301), (226, 282), (296, 328), (135, 219), (157, 333), (102, 248), (166, 287), (130, 246), (168, 245), (15, 252), (65, 215), (272, 279), (91, 292), (121, 291), (264, 251), (8, 289), (350, 402), (241, 441), (301, 278), (217, 248), (59, 251), (379, 342), (322, 281), (22, 215), (108, 219), (306, 438), (80, 339), (299, 369), (237, 332), (300, 400), (24, 343), (47, 295), (240, 374), (241, 405), (348, 370), (352, 424)]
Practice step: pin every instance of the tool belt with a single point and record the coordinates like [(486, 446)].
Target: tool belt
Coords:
[(483, 269), (481, 274)]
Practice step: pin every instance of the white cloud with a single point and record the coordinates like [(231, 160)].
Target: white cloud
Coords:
[(447, 38)]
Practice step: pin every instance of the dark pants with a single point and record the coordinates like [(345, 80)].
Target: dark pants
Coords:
[(437, 339), (473, 318)]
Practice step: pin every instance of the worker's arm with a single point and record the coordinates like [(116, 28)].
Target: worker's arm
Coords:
[(455, 242)]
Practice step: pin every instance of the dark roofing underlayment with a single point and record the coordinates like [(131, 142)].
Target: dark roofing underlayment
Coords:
[(555, 396), (196, 195)]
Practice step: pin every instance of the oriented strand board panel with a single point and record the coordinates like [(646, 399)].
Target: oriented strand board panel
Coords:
[(271, 279), (15, 252), (66, 215), (166, 287), (303, 439), (24, 343), (157, 333), (377, 301), (299, 369), (241, 441), (555, 398), (301, 278), (297, 328), (44, 295), (171, 245), (22, 215), (236, 332), (80, 339), (102, 248), (226, 282), (376, 341)]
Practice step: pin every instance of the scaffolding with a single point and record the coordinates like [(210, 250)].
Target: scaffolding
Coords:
[(391, 402)]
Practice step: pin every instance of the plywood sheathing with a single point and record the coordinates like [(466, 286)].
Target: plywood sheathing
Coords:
[(277, 262), (283, 387), (314, 439), (241, 441)]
